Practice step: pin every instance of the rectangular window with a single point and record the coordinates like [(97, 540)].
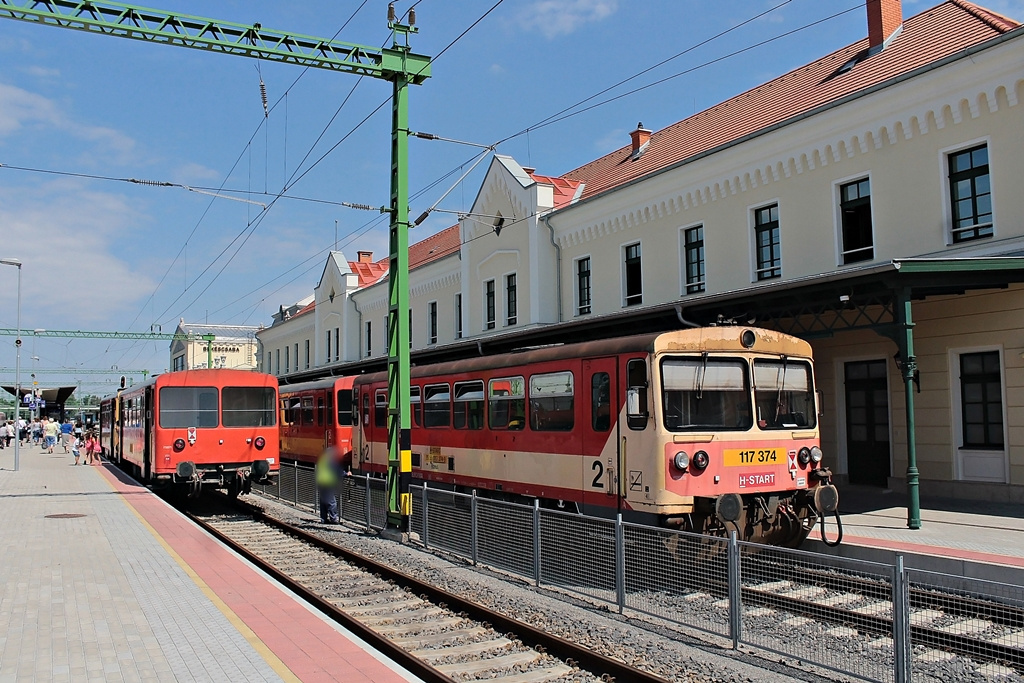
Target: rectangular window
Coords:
[(307, 354), (970, 194), (182, 407), (469, 405), (307, 410), (855, 214), (369, 338), (432, 318), (766, 242), (693, 245), (287, 353), (583, 286), (437, 410), (552, 407), (296, 356), (269, 369), (633, 275), (458, 316), (506, 402), (380, 408), (416, 406), (489, 304), (277, 361), (510, 299), (345, 407), (328, 358), (600, 402), (981, 400), (702, 394), (337, 343), (783, 394)]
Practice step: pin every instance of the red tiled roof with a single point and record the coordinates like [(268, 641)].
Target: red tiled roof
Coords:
[(368, 273), (565, 189), (305, 309), (927, 37), (421, 253)]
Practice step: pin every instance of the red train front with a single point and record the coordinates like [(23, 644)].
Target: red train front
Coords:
[(198, 428)]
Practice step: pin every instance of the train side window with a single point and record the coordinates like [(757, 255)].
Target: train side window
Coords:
[(636, 394), (320, 410), (506, 403), (380, 408), (366, 409), (436, 405), (284, 411), (307, 410), (346, 408), (416, 405), (330, 406), (552, 407), (469, 405), (600, 402)]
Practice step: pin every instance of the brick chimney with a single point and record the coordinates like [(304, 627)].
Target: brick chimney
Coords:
[(364, 256), (885, 17), (640, 137)]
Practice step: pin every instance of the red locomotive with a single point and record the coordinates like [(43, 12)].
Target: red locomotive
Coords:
[(708, 429), (315, 415), (195, 428)]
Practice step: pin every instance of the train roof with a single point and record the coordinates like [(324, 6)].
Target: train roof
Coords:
[(324, 383)]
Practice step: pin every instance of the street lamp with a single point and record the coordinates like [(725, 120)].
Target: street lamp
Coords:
[(17, 369)]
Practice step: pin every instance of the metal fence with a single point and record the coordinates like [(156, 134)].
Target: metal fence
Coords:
[(872, 621)]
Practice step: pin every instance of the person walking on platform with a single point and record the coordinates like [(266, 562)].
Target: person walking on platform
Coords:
[(90, 445), (37, 431), (329, 473), (22, 430), (66, 429), (75, 448), (50, 431)]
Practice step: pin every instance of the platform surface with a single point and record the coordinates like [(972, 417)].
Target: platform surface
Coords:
[(100, 580), (953, 532)]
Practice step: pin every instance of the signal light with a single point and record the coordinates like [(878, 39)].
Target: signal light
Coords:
[(179, 445), (260, 442), (804, 455)]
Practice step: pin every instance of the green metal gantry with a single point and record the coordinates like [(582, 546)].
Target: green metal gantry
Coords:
[(397, 64)]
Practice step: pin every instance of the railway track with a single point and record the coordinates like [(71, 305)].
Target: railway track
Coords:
[(436, 635)]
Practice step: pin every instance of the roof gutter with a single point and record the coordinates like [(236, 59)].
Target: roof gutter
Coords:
[(949, 59)]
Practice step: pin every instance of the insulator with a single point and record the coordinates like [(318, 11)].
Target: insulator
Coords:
[(391, 12), (412, 16), (263, 96)]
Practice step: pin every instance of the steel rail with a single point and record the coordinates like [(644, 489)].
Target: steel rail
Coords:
[(572, 653)]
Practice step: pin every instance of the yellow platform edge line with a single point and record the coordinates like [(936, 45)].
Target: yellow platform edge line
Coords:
[(264, 651)]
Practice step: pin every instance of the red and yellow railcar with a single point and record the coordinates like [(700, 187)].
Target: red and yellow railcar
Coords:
[(196, 428), (707, 429), (316, 415)]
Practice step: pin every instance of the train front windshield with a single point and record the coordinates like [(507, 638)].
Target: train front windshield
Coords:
[(249, 407), (784, 394), (704, 394)]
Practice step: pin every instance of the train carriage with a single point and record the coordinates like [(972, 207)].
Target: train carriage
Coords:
[(707, 429), (315, 415), (196, 428)]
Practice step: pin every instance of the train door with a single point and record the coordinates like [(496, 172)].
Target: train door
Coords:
[(148, 413), (330, 420), (601, 464)]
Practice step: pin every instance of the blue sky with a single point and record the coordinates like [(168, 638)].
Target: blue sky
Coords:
[(107, 255)]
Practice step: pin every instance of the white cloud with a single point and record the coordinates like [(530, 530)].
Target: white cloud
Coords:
[(561, 17), (43, 72), (21, 109), (193, 173)]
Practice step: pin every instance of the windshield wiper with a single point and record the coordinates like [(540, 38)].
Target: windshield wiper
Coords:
[(782, 386)]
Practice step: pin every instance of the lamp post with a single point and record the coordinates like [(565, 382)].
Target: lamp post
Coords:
[(17, 369)]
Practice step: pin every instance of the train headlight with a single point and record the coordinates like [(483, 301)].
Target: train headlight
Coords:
[(804, 455), (701, 460), (681, 461), (259, 443), (816, 454), (179, 445)]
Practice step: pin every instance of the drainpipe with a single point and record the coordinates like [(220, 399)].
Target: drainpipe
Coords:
[(359, 334), (558, 268), (909, 369)]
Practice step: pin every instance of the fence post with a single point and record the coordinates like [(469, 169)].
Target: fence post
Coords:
[(620, 564), (536, 541), (426, 526), (901, 640), (368, 527), (295, 481), (472, 521), (735, 592)]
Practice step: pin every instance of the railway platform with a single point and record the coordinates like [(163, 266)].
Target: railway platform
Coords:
[(102, 580), (979, 539)]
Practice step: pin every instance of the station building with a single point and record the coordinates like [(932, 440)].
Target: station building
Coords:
[(232, 346), (869, 202)]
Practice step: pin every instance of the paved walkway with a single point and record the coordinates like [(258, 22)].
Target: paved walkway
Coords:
[(100, 580), (968, 531)]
